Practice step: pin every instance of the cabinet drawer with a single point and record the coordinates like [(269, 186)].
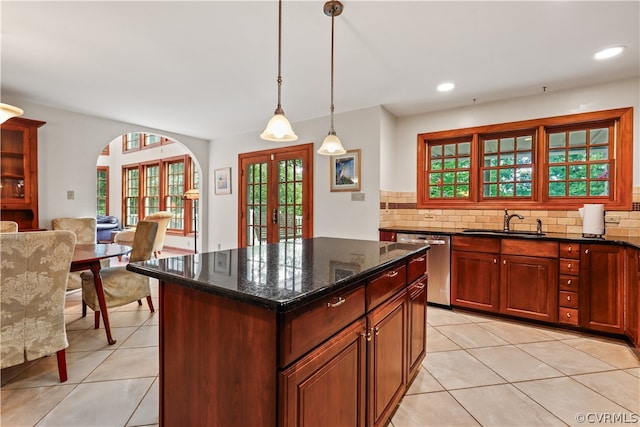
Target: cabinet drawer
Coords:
[(568, 299), (476, 244), (308, 326), (529, 248), (568, 315), (385, 284), (569, 266), (569, 250), (417, 266), (569, 283)]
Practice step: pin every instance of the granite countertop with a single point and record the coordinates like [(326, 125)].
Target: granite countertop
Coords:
[(279, 276), (613, 240)]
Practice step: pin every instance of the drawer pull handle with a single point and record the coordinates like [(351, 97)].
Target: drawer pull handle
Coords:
[(392, 274), (419, 259), (367, 335), (569, 315), (568, 297), (420, 287), (337, 303), (569, 282)]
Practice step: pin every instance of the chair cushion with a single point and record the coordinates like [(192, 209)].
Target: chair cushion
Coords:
[(120, 287)]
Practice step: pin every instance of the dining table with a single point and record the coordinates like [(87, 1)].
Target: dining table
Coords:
[(88, 257)]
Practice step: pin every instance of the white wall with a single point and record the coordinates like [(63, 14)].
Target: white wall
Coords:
[(68, 149), (619, 94), (334, 213)]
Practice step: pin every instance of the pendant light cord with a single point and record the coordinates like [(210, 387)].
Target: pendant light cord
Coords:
[(332, 130), (279, 107)]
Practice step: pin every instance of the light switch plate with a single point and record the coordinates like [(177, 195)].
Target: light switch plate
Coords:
[(612, 219), (71, 195)]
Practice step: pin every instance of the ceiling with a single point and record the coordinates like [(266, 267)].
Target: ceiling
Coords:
[(208, 68)]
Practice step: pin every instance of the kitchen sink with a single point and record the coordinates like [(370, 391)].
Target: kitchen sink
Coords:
[(516, 233)]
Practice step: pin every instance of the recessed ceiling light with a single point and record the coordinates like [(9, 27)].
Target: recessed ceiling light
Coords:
[(609, 52), (444, 87)]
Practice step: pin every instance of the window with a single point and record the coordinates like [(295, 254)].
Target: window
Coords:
[(553, 163), (131, 141), (158, 186), (103, 190), (136, 141)]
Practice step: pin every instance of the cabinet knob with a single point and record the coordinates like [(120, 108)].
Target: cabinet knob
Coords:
[(569, 249), (504, 261), (495, 261), (569, 315), (377, 330), (367, 335), (568, 297), (569, 282), (569, 265), (586, 251)]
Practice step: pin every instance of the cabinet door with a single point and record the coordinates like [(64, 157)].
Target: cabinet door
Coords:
[(387, 363), (601, 287), (529, 287), (417, 336), (632, 296), (327, 386), (475, 280)]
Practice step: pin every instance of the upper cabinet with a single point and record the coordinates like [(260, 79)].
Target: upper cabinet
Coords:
[(19, 172)]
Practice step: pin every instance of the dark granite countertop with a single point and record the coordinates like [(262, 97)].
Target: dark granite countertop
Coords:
[(612, 240), (279, 276)]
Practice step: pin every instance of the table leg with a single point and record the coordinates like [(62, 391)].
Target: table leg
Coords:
[(97, 280)]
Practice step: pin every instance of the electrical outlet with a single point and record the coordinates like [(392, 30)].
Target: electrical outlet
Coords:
[(429, 216), (612, 219), (70, 195)]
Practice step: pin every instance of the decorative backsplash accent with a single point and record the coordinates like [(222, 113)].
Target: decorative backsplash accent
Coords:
[(399, 209)]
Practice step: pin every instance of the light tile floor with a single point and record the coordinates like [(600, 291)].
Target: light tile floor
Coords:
[(479, 370)]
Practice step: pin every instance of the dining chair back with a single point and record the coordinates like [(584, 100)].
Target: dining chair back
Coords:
[(33, 280), (120, 285)]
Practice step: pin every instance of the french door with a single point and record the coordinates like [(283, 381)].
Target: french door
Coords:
[(276, 195)]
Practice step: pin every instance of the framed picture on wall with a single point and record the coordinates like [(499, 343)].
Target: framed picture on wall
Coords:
[(222, 181), (345, 171)]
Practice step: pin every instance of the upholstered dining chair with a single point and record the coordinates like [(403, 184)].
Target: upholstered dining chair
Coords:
[(8, 227), (120, 285), (125, 237), (85, 231), (33, 281)]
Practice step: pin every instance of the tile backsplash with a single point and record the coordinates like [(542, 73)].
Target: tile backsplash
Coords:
[(398, 209)]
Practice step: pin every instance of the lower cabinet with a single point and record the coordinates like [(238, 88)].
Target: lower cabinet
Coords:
[(327, 387), (387, 359), (417, 336), (632, 297), (601, 288), (475, 275)]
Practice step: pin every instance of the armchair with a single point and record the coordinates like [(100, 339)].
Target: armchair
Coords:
[(85, 231), (8, 227), (125, 237), (33, 280), (120, 285)]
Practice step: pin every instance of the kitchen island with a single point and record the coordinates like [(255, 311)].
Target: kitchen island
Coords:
[(319, 331)]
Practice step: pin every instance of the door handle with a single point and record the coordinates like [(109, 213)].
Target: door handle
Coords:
[(274, 216)]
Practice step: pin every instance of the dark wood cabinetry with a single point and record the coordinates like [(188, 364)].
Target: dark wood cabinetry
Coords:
[(475, 273), (568, 297), (632, 297), (19, 172), (601, 288), (417, 335), (387, 236)]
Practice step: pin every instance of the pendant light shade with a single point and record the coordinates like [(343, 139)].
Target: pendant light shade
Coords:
[(8, 111), (279, 129), (331, 146)]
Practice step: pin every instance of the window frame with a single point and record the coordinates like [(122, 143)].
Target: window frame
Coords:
[(622, 163), (104, 169)]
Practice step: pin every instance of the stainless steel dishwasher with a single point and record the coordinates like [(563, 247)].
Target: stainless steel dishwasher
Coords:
[(438, 265)]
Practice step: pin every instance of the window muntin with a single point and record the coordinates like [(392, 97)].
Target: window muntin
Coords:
[(592, 162), (579, 161), (449, 165), (507, 165)]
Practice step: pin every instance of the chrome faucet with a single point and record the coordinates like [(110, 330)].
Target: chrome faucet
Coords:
[(508, 218), (539, 226)]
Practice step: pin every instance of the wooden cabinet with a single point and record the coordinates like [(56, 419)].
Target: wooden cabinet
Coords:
[(327, 387), (417, 333), (632, 297), (601, 287), (387, 236), (529, 279), (387, 358), (475, 273), (568, 298), (19, 172)]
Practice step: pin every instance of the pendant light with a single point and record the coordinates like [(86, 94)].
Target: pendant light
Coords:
[(8, 111), (331, 146), (279, 129)]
